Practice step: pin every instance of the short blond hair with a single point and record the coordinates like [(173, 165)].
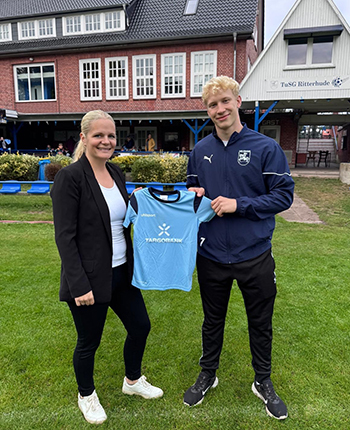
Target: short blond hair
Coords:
[(86, 122), (219, 83)]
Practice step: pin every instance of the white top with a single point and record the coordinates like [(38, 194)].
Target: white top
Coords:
[(117, 210)]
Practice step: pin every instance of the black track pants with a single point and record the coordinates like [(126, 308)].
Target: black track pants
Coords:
[(256, 280)]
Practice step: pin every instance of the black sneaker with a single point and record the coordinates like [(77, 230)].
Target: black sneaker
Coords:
[(275, 406), (195, 394)]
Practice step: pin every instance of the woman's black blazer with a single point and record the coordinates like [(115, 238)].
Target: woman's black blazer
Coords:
[(83, 231)]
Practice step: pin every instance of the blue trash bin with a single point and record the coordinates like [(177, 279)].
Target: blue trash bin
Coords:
[(42, 166)]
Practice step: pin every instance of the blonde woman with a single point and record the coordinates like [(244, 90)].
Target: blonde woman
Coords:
[(89, 204)]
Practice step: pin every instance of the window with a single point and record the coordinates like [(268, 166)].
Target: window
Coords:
[(35, 82), (141, 134), (112, 21), (203, 68), (322, 49), (191, 7), (45, 27), (94, 23), (144, 76), (122, 134), (73, 24), (5, 32), (309, 51), (297, 50), (117, 80), (173, 75), (90, 79), (311, 46), (36, 29)]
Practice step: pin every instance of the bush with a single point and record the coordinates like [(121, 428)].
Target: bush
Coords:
[(63, 160), (175, 168), (51, 170), (159, 168), (126, 162), (17, 167)]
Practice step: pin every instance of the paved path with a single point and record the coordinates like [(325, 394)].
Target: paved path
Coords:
[(300, 212)]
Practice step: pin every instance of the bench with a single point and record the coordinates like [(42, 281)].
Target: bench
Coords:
[(37, 187)]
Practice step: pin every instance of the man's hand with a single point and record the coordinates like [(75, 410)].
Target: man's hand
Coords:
[(199, 190), (223, 205), (85, 300)]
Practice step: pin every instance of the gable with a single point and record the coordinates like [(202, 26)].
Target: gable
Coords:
[(272, 78)]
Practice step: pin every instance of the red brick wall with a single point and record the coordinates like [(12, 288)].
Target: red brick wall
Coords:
[(68, 88)]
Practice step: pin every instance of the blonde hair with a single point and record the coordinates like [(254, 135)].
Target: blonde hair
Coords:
[(220, 83), (85, 126)]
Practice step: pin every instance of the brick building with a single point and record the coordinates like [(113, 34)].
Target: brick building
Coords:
[(144, 62)]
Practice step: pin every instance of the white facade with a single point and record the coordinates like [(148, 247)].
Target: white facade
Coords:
[(313, 87)]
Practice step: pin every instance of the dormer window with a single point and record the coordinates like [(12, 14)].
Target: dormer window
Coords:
[(100, 22), (311, 46), (36, 29), (191, 7), (5, 32)]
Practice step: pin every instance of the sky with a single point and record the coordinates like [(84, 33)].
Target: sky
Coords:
[(276, 11)]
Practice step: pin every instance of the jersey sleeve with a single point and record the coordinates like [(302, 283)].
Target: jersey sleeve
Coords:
[(203, 209), (131, 212)]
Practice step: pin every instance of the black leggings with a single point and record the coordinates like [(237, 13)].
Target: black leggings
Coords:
[(127, 303)]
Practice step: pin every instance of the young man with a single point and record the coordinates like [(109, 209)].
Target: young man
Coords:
[(246, 175)]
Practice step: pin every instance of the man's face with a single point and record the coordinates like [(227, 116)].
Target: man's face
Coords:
[(222, 109)]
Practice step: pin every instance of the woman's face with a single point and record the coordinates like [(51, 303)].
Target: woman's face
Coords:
[(100, 141)]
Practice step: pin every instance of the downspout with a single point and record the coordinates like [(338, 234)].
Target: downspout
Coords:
[(234, 54)]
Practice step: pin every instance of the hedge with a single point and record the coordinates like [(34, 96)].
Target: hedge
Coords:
[(16, 167), (144, 168)]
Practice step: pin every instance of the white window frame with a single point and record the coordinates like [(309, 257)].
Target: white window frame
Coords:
[(122, 131), (146, 130), (308, 61), (41, 65), (5, 28), (72, 21), (205, 75), (119, 80), (35, 28), (135, 75), (102, 17), (173, 75), (90, 80)]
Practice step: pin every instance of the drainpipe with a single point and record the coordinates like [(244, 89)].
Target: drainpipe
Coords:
[(234, 54)]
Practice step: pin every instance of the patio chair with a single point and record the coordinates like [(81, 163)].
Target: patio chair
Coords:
[(323, 157)]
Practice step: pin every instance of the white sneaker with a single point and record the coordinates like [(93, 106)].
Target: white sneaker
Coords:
[(142, 388), (91, 408)]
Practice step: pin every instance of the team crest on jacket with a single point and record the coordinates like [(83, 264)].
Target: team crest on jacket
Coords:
[(244, 157)]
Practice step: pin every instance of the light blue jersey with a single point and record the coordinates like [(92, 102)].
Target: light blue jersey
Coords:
[(165, 236)]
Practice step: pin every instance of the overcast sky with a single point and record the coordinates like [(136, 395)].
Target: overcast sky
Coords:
[(276, 11)]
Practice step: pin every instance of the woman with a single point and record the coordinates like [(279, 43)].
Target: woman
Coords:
[(89, 204), (150, 143)]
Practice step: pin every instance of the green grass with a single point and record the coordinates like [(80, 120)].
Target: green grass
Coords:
[(311, 352)]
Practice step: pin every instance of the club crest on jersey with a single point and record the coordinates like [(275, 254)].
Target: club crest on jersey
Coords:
[(244, 157)]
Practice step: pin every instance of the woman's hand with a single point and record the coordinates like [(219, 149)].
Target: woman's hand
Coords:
[(136, 189), (85, 300)]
